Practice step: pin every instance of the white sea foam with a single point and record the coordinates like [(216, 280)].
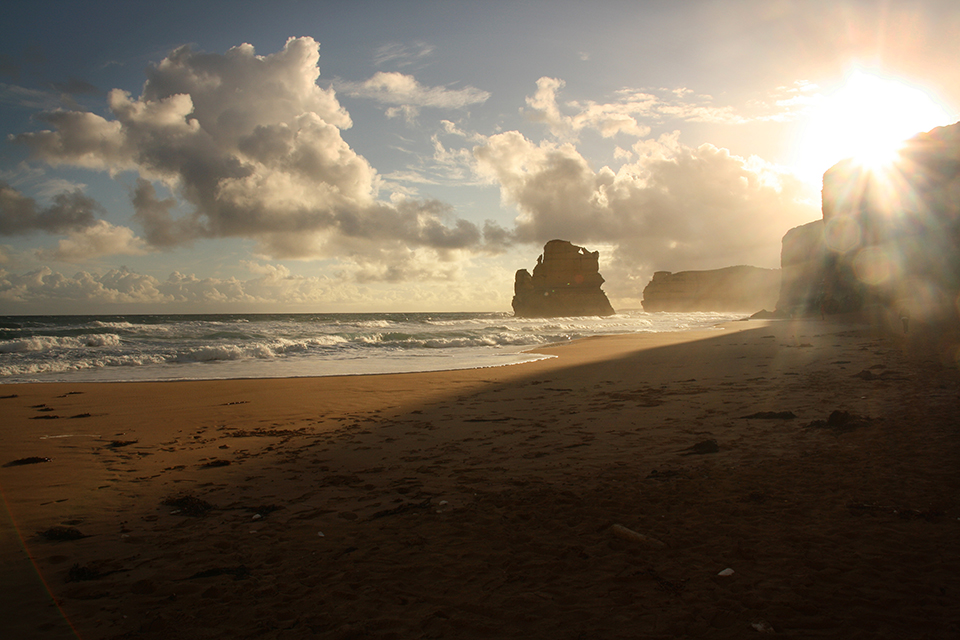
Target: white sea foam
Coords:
[(230, 346), (47, 343), (104, 324)]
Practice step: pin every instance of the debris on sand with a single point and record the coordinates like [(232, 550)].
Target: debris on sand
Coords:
[(188, 505), (841, 422), (664, 475), (630, 535), (239, 572), (771, 415), (214, 464), (262, 511), (23, 461)]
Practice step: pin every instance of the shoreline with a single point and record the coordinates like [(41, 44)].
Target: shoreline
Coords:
[(480, 502), (283, 347)]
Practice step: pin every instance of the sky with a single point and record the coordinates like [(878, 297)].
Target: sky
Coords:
[(367, 156)]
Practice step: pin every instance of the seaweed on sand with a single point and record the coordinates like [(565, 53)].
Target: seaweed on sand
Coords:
[(23, 461), (61, 533)]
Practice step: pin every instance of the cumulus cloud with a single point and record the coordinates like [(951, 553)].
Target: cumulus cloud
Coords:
[(118, 286), (20, 215), (250, 146), (609, 119), (673, 208), (98, 240)]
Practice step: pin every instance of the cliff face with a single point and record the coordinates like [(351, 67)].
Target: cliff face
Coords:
[(731, 289), (890, 235), (565, 282), (802, 269)]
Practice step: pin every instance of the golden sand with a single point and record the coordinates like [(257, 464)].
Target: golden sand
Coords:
[(492, 503)]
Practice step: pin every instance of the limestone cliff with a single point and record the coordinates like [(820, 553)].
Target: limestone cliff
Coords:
[(802, 269), (740, 288), (890, 235), (565, 282)]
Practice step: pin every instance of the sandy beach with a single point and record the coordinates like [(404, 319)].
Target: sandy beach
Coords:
[(797, 478)]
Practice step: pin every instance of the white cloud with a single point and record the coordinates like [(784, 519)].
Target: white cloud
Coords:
[(608, 119), (402, 55), (410, 96), (674, 208), (630, 109), (250, 146), (98, 240), (45, 286)]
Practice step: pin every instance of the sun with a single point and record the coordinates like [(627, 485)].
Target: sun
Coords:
[(867, 119)]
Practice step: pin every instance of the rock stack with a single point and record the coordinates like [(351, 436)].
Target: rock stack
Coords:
[(565, 282)]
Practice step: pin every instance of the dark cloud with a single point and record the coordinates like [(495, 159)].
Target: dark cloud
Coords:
[(9, 66), (160, 228), (20, 215), (77, 87)]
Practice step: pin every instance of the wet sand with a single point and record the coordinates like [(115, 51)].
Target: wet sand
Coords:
[(800, 478)]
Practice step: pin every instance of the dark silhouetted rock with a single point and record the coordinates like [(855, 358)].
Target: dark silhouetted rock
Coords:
[(739, 288), (565, 282)]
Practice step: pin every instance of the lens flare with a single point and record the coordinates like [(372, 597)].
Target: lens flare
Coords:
[(842, 234), (867, 119), (875, 266)]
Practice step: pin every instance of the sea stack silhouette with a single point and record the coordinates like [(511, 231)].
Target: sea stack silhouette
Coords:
[(565, 282)]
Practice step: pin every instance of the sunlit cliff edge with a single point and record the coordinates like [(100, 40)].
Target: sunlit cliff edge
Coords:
[(889, 239)]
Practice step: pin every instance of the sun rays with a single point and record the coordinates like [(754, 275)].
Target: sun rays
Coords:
[(866, 120)]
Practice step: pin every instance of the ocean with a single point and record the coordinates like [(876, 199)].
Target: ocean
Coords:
[(122, 348)]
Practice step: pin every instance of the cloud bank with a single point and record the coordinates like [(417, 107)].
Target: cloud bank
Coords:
[(241, 145), (271, 286), (250, 146), (673, 208)]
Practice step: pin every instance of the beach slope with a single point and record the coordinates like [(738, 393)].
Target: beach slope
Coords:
[(795, 477)]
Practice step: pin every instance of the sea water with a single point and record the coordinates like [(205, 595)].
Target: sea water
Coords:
[(201, 347)]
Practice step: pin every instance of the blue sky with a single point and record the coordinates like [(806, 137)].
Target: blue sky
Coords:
[(401, 156)]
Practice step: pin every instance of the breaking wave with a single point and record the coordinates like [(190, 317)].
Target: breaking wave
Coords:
[(118, 348)]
